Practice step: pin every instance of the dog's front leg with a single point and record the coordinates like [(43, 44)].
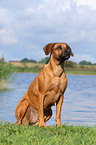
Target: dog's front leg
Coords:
[(58, 111), (41, 112)]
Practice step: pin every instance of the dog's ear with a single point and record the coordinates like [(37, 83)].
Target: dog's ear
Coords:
[(71, 53), (47, 49)]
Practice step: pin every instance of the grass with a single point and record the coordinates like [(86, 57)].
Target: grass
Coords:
[(27, 67), (80, 72), (33, 135)]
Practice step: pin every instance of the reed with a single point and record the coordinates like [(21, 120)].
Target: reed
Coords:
[(6, 71)]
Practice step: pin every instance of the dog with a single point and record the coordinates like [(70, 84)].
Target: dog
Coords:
[(46, 89)]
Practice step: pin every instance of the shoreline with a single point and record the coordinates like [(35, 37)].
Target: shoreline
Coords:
[(65, 73), (36, 67)]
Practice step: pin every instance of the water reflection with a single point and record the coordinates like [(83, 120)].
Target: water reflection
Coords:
[(79, 107)]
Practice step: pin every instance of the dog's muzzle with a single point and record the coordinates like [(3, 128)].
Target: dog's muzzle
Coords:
[(65, 55)]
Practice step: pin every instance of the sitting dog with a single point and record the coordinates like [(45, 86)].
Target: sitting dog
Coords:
[(46, 89)]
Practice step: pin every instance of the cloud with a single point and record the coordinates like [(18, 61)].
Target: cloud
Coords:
[(80, 57), (7, 35), (90, 3), (28, 26), (7, 40)]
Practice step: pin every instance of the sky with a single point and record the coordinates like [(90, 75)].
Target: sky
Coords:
[(26, 26)]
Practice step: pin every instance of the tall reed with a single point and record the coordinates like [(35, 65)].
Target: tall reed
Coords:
[(6, 71)]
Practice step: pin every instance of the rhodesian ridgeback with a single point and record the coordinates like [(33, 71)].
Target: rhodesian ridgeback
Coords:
[(46, 89)]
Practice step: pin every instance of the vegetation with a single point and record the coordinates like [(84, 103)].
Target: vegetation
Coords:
[(27, 69), (26, 60), (6, 71), (2, 59), (44, 60), (84, 62), (81, 71), (65, 135), (70, 64), (70, 68)]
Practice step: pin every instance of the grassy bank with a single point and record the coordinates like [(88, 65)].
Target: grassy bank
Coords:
[(80, 71), (29, 135), (36, 67), (27, 67)]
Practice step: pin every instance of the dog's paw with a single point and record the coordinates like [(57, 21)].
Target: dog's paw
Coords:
[(58, 124), (42, 125)]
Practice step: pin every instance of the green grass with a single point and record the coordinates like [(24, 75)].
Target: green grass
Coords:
[(27, 69), (36, 67), (80, 72), (33, 135), (68, 71)]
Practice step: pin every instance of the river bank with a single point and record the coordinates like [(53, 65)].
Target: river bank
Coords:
[(16, 67), (36, 67)]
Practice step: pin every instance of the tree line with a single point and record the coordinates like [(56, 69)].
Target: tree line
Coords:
[(69, 63), (44, 60)]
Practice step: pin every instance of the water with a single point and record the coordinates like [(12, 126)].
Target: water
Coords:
[(79, 106)]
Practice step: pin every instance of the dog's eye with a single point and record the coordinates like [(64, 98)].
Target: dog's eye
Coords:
[(59, 48)]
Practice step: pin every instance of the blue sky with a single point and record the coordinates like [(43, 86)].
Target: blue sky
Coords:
[(26, 26)]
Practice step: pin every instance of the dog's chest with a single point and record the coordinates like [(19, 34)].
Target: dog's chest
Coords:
[(56, 89), (56, 85)]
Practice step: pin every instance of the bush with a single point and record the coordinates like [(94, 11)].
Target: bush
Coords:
[(6, 71), (70, 64), (84, 62), (44, 60), (26, 60)]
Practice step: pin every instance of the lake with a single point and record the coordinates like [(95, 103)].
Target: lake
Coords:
[(79, 106)]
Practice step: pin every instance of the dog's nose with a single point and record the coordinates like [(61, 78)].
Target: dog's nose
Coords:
[(67, 50)]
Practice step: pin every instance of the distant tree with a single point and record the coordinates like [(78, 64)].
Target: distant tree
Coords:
[(89, 63), (26, 60), (94, 64), (43, 60), (84, 62), (70, 64), (32, 61)]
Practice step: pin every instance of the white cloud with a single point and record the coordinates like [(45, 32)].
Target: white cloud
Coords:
[(80, 57), (90, 3), (6, 40), (7, 35), (31, 25)]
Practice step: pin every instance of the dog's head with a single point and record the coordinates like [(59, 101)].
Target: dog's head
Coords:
[(60, 51)]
